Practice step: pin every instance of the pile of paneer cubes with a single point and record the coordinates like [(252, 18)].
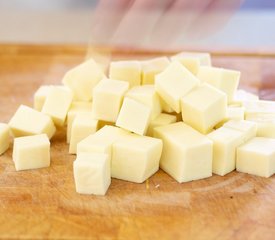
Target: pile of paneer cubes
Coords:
[(179, 114)]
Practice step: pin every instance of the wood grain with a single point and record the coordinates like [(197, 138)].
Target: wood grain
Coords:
[(42, 204)]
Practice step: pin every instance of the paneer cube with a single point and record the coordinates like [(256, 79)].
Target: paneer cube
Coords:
[(187, 154), (82, 79), (27, 121), (173, 83), (257, 157), (107, 99), (134, 116), (92, 173), (4, 137), (265, 125), (203, 108), (135, 158), (129, 71), (31, 152), (259, 108)]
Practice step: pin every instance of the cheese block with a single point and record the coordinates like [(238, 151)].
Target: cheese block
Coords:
[(75, 108), (257, 157), (31, 152), (107, 99), (4, 137), (265, 125), (232, 113), (241, 96), (57, 105), (82, 79), (161, 120), (259, 108), (135, 158), (150, 68), (27, 121), (129, 71), (203, 108), (102, 140), (165, 106), (83, 125), (224, 79), (147, 95), (187, 154), (173, 83), (92, 173), (134, 116)]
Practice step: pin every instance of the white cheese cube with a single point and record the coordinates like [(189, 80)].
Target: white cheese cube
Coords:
[(265, 123), (243, 96), (27, 121), (152, 67), (161, 120), (92, 173), (232, 113), (203, 108), (31, 152), (257, 157), (173, 83), (204, 58), (82, 79), (107, 99), (83, 125), (147, 95), (259, 108), (129, 71), (76, 107), (102, 140), (135, 158), (134, 116), (187, 154), (4, 137), (224, 79), (57, 104)]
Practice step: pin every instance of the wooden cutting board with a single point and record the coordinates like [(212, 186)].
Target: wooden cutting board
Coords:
[(43, 204)]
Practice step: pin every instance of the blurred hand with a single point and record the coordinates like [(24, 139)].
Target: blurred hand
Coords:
[(158, 24)]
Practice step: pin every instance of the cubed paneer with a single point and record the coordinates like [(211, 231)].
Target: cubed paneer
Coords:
[(82, 79), (203, 108), (4, 137), (31, 152), (92, 173), (135, 158), (102, 140), (75, 108), (187, 154), (265, 123), (129, 71), (161, 120), (224, 79), (57, 104), (173, 83), (241, 96), (83, 125), (152, 67), (27, 121), (147, 95), (108, 95), (232, 113), (257, 157), (259, 108), (134, 116)]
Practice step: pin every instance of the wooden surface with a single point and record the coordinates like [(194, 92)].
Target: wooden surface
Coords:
[(43, 204)]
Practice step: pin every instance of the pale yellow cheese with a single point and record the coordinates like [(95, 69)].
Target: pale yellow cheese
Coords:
[(134, 116), (135, 158), (57, 104), (257, 157), (241, 95), (27, 121), (129, 71), (187, 154), (165, 107), (173, 83), (92, 173), (265, 123), (31, 152), (83, 125), (82, 79), (75, 108), (203, 108), (259, 108), (107, 99), (232, 113), (147, 95), (224, 79), (151, 67), (161, 120), (4, 137)]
